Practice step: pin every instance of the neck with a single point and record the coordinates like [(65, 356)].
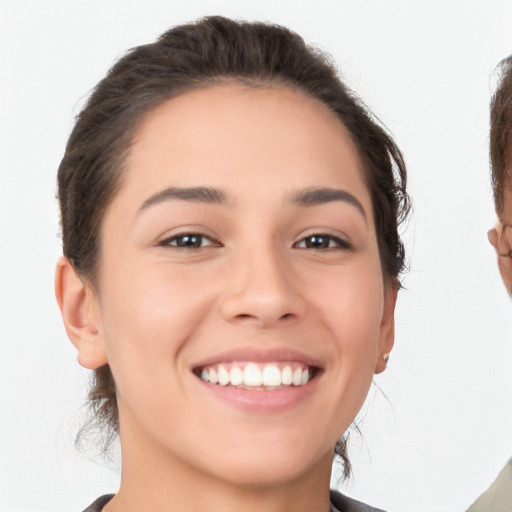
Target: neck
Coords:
[(157, 482)]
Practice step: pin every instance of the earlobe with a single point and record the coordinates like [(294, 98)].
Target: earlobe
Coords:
[(80, 315), (387, 329)]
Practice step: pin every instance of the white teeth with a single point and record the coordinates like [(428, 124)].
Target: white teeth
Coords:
[(287, 376), (237, 376), (297, 377), (271, 376), (252, 375), (213, 376), (223, 376), (257, 375)]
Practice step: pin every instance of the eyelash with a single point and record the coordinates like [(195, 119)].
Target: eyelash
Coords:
[(174, 241), (333, 242), (194, 241)]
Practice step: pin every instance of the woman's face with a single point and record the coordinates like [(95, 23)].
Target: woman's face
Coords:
[(241, 249)]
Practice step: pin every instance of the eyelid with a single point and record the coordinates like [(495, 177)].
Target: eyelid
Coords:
[(341, 242), (165, 241)]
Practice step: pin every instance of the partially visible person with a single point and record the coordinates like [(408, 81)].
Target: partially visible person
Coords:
[(501, 167), (499, 496)]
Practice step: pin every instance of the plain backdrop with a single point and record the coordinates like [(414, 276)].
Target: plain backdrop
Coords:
[(438, 427)]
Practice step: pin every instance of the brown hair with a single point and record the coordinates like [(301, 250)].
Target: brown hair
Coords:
[(501, 134), (202, 54)]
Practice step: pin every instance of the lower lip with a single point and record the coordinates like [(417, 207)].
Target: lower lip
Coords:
[(262, 401)]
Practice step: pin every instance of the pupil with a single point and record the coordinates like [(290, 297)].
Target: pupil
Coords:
[(189, 241), (317, 241)]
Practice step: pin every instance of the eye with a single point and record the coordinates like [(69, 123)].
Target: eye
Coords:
[(322, 242), (188, 241)]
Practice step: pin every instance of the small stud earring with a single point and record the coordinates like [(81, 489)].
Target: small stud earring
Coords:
[(385, 357)]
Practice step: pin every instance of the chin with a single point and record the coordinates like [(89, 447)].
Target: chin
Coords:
[(269, 465), (280, 471)]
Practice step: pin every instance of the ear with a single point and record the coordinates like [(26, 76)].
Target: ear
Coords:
[(493, 236), (504, 263), (81, 316), (387, 328)]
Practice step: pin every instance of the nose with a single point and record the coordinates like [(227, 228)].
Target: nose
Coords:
[(262, 291)]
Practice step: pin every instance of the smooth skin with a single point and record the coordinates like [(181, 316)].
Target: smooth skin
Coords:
[(260, 264)]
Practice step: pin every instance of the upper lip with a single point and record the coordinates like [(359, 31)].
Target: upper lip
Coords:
[(259, 355)]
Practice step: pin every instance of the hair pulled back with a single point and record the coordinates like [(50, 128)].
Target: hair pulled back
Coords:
[(212, 51)]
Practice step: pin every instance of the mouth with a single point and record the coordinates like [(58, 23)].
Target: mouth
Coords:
[(256, 376)]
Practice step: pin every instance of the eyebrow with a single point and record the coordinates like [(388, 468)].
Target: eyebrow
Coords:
[(194, 194), (210, 195), (317, 196)]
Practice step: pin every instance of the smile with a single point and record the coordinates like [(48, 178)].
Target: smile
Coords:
[(253, 376)]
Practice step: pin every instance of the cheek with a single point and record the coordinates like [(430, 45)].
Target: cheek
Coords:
[(352, 310), (148, 315), (505, 266), (352, 303), (350, 306)]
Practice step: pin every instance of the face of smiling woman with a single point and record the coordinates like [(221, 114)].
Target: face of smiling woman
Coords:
[(240, 301)]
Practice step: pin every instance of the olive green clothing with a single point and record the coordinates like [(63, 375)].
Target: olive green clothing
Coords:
[(499, 496)]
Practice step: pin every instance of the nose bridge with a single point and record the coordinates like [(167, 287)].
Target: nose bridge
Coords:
[(262, 287)]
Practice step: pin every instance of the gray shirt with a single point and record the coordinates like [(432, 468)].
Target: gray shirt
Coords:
[(339, 503)]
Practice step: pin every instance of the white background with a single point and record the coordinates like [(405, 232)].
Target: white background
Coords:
[(445, 429)]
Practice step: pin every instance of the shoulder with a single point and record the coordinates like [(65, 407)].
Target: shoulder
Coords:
[(499, 496), (341, 503), (98, 505)]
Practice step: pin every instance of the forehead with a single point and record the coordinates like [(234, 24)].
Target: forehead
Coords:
[(232, 135)]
